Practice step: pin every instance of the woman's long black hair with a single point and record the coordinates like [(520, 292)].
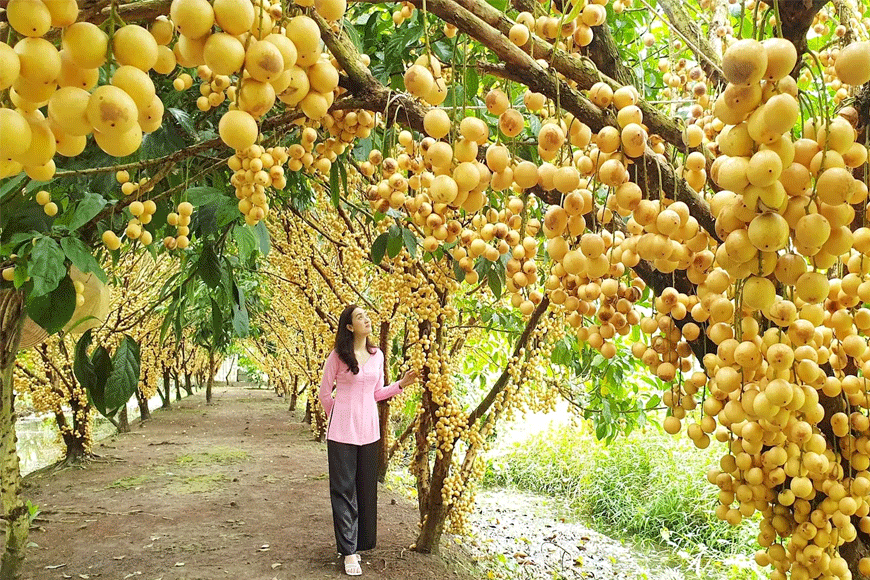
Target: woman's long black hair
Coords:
[(344, 339)]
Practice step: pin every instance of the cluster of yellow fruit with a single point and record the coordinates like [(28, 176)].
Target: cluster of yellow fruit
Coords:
[(784, 214), (43, 198), (214, 88), (255, 169), (403, 13), (576, 32), (181, 220), (423, 79), (37, 74)]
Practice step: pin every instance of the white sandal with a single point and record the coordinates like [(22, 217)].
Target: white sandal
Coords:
[(352, 568)]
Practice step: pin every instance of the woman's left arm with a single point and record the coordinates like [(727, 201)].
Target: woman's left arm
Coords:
[(381, 392)]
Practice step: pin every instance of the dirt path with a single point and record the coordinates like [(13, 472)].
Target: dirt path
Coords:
[(235, 490)]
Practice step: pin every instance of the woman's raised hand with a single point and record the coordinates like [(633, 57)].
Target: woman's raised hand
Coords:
[(408, 379)]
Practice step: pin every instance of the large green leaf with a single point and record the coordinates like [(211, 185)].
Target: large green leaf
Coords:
[(53, 310), (83, 368), (209, 266), (246, 241), (81, 257), (87, 209), (46, 267), (379, 247), (124, 378), (263, 237), (241, 323)]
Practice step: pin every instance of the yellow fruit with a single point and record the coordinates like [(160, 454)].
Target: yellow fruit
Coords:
[(134, 46), (63, 12), (436, 123), (111, 110), (286, 47), (497, 102), (181, 242), (37, 93), (768, 232), (835, 185), (744, 62), (764, 168), (68, 108), (43, 197), (305, 34), (111, 240), (151, 117), (256, 97), (10, 66), (238, 130), (8, 274), (438, 93), (72, 75), (28, 17), (50, 209), (234, 16), (315, 105), (42, 144), (511, 123), (39, 60), (781, 112), (136, 83), (192, 18), (86, 45), (41, 172), (263, 61), (120, 144), (781, 58), (331, 10), (224, 54), (297, 89), (853, 63), (162, 30), (443, 189), (68, 145), (519, 34), (418, 80), (189, 52), (14, 123), (323, 77)]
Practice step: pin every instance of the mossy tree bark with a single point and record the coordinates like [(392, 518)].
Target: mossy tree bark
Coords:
[(14, 511)]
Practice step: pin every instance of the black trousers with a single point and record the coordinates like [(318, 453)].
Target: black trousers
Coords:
[(353, 489)]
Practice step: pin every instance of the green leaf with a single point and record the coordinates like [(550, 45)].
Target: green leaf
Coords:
[(53, 310), (86, 210), (394, 245), (81, 257), (198, 196), (494, 281), (102, 365), (209, 266), (83, 368), (217, 321), (241, 325), (263, 236), (410, 241), (246, 241), (379, 247), (124, 378), (167, 318), (47, 265)]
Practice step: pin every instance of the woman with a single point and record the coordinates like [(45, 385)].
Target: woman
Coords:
[(356, 367)]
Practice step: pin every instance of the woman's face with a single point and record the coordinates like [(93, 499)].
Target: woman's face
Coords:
[(361, 325)]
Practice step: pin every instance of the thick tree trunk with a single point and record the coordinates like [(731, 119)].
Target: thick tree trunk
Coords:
[(14, 512), (123, 421), (188, 384), (144, 411), (307, 418), (210, 382), (294, 393)]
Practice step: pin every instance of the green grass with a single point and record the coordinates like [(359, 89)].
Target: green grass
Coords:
[(648, 489)]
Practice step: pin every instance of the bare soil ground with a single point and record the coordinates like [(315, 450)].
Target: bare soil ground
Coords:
[(238, 489)]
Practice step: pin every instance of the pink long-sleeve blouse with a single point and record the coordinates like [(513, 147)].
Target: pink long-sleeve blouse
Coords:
[(353, 415)]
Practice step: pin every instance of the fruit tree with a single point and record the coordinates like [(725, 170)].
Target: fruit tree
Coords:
[(441, 161)]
